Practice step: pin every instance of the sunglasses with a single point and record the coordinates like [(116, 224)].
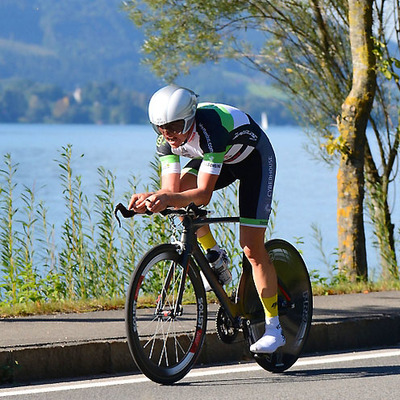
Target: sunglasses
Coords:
[(174, 127)]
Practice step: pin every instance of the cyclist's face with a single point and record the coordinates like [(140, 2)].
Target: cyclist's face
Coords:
[(172, 133)]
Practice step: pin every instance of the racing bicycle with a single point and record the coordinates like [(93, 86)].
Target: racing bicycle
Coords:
[(166, 304)]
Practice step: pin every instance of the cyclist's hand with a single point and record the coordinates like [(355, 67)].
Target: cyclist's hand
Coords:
[(157, 202), (138, 202)]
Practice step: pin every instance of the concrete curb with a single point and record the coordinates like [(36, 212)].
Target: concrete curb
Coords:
[(71, 360)]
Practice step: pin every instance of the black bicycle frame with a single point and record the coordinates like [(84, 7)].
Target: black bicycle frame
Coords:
[(191, 247)]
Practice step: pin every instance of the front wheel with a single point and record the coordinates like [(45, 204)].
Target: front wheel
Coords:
[(165, 338)]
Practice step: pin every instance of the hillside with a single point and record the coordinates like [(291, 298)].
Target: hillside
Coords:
[(72, 44)]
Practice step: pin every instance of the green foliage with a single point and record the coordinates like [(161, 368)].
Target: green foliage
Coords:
[(20, 280), (386, 64), (7, 235), (181, 34), (75, 254), (93, 261), (111, 283)]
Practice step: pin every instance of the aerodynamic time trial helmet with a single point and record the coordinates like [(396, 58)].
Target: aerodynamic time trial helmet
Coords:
[(173, 103)]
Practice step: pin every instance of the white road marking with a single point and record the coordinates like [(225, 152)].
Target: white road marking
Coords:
[(326, 359)]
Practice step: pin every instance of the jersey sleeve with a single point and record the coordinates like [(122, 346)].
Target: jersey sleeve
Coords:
[(212, 163)]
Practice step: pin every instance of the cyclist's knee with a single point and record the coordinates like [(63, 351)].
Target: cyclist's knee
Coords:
[(251, 237), (254, 252)]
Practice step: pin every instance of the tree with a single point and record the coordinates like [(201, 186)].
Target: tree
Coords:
[(381, 169), (352, 126), (305, 46)]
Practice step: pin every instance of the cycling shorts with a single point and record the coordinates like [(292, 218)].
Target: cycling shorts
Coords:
[(256, 175)]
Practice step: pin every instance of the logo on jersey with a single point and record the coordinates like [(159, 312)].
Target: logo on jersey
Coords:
[(270, 176), (207, 136), (160, 140), (252, 135), (210, 167)]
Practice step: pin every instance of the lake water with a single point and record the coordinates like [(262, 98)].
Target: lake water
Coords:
[(305, 189)]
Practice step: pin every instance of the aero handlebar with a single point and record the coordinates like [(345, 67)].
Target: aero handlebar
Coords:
[(191, 209)]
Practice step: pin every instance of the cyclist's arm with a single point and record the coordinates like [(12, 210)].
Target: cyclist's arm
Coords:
[(201, 195), (169, 183), (170, 177)]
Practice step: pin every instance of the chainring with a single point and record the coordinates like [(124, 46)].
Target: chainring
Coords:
[(226, 332)]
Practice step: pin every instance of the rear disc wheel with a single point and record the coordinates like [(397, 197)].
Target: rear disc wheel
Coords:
[(295, 304)]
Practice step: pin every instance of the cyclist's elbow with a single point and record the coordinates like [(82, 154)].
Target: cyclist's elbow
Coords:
[(204, 198)]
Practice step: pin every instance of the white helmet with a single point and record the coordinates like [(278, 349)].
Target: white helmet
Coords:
[(173, 103)]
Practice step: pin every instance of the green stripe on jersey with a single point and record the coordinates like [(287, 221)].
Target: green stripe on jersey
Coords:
[(170, 158), (224, 114), (217, 158)]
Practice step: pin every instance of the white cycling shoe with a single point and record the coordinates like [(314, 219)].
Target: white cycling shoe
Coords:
[(272, 339)]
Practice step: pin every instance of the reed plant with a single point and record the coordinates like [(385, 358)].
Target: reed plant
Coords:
[(131, 244), (8, 245), (74, 256), (109, 281)]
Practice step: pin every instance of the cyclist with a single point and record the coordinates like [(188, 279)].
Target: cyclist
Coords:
[(224, 144)]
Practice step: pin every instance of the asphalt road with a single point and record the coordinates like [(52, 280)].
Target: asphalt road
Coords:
[(373, 374)]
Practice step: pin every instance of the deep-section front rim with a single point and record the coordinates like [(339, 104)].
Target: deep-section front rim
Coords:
[(165, 340)]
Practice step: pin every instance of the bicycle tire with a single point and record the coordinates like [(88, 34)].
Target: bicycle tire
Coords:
[(295, 302), (163, 345)]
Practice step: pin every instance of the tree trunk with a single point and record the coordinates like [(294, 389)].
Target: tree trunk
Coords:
[(352, 125), (377, 187)]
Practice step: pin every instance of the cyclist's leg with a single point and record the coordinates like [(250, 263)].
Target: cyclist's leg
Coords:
[(257, 176), (252, 243), (265, 279)]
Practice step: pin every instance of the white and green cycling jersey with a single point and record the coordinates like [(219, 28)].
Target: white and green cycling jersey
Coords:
[(227, 142), (223, 135)]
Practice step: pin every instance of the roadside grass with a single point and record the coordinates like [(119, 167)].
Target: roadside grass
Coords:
[(344, 287), (101, 304), (64, 306)]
